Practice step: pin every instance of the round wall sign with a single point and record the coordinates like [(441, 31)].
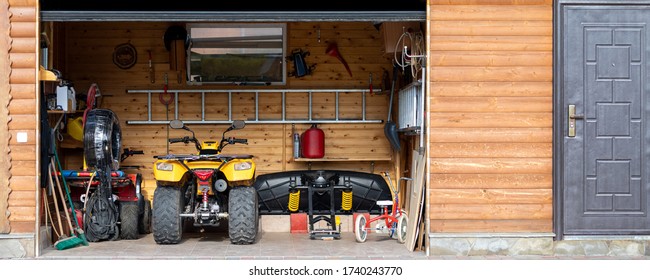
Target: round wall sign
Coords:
[(125, 56)]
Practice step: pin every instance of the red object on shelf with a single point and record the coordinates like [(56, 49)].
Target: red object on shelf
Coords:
[(313, 142)]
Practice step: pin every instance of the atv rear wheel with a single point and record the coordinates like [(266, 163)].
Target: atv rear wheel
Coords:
[(144, 225), (129, 220), (167, 222), (243, 215)]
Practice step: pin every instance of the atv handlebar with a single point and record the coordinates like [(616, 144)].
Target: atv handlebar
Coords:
[(233, 140), (185, 140), (176, 140), (127, 153)]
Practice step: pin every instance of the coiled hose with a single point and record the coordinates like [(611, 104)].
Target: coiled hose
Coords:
[(100, 219)]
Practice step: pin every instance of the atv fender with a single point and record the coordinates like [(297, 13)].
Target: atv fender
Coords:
[(175, 175), (233, 175)]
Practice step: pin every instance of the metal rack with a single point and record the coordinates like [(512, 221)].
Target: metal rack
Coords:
[(257, 119)]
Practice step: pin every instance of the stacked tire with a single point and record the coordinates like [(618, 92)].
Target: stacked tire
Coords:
[(102, 139)]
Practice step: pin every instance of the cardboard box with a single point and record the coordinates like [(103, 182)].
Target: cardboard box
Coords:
[(392, 31)]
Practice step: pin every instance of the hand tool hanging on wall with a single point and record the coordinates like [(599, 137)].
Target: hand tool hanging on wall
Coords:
[(299, 64), (370, 86), (333, 50), (152, 73), (166, 98), (390, 128)]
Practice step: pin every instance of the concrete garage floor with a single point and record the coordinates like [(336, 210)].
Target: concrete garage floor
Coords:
[(281, 249), (215, 245)]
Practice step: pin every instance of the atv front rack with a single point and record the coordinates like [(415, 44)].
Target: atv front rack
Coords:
[(218, 157)]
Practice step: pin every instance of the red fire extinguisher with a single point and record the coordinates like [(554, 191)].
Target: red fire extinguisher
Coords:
[(313, 142)]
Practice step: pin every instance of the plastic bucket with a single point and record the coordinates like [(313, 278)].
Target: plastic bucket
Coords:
[(76, 129)]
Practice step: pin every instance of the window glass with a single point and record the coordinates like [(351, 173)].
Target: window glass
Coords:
[(237, 53)]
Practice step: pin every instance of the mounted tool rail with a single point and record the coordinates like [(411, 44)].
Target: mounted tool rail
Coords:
[(282, 120)]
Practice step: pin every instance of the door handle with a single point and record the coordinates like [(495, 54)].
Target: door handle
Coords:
[(572, 120)]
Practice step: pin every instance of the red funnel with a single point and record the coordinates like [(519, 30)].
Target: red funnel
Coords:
[(333, 50)]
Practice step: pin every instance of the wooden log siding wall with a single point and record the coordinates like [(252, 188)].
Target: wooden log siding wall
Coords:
[(22, 113), (88, 59), (490, 116), (5, 162)]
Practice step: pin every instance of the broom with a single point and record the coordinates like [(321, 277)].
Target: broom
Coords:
[(63, 242), (77, 229), (80, 233)]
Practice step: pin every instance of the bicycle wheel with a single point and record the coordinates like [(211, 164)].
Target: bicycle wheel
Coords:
[(402, 223), (360, 231)]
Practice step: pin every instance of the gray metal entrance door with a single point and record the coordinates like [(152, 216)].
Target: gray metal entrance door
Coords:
[(605, 92)]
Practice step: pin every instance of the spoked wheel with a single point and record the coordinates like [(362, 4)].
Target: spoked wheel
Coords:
[(402, 223), (360, 231)]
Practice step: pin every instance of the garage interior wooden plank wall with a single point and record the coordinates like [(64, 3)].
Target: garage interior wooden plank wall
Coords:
[(491, 115), (87, 58)]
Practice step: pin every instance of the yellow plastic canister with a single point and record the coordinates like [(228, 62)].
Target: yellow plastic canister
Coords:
[(76, 129)]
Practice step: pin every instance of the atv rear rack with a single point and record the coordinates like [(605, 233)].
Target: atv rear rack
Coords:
[(218, 157)]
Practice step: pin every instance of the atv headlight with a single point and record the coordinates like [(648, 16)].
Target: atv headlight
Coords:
[(163, 166), (243, 166)]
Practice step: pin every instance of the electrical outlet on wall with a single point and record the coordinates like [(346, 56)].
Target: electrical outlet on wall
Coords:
[(21, 137)]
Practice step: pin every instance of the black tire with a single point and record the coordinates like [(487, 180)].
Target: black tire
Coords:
[(360, 230), (102, 139), (243, 215), (167, 223), (402, 225), (144, 225), (129, 220)]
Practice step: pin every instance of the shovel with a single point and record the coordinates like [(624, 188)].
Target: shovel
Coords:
[(390, 128)]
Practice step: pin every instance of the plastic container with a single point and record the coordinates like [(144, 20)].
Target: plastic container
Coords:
[(313, 142), (75, 128)]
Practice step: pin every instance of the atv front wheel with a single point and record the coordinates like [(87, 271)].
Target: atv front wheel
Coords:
[(243, 215), (129, 220), (166, 220)]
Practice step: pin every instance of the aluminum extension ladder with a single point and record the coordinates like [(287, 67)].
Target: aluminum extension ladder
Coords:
[(257, 119)]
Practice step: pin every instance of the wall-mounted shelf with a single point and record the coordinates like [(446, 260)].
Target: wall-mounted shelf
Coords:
[(342, 159), (63, 112), (371, 160), (46, 75)]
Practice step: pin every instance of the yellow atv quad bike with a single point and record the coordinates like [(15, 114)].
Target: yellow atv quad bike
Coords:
[(204, 189)]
